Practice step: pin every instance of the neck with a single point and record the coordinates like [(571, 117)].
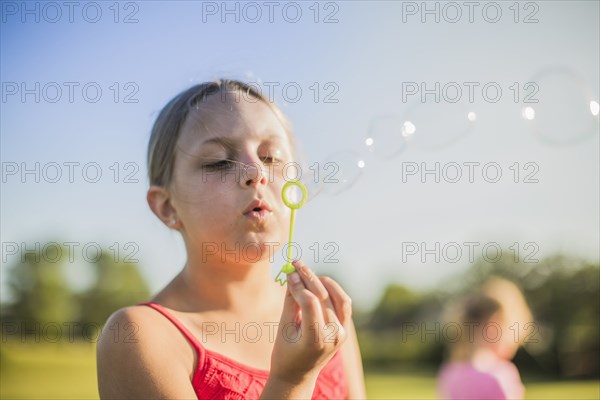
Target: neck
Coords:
[(211, 284), (469, 352)]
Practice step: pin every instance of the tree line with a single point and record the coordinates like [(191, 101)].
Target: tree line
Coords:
[(41, 296), (405, 328)]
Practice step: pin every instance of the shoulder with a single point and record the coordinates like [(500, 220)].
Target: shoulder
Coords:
[(131, 354), (509, 368), (453, 367), (453, 371), (130, 328), (510, 380)]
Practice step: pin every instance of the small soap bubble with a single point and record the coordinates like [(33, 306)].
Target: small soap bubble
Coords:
[(314, 188), (562, 109), (434, 126), (339, 172), (594, 107), (384, 139), (528, 113)]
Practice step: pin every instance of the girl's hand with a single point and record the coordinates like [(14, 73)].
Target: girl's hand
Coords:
[(312, 327)]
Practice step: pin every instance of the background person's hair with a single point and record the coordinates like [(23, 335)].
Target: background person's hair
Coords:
[(167, 127), (474, 310), (478, 309), (511, 299)]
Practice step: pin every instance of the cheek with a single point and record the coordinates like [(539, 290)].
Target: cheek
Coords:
[(209, 224), (211, 189), (206, 208), (509, 347)]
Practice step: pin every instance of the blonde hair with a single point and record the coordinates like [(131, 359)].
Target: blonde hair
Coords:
[(167, 127)]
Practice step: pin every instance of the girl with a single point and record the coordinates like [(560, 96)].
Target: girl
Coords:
[(479, 366), (222, 328)]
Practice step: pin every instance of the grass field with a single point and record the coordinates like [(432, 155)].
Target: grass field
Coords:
[(68, 371)]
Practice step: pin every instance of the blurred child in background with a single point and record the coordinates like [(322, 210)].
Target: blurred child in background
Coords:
[(492, 323)]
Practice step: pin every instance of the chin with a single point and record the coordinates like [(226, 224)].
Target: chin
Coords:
[(259, 247), (507, 353), (265, 236)]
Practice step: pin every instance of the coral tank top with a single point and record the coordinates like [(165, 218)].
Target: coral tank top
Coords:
[(220, 377)]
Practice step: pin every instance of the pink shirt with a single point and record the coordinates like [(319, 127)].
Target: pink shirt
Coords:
[(220, 377), (462, 380)]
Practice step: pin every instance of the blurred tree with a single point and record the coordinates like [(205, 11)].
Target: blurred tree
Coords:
[(397, 304), (403, 328), (39, 289), (116, 285), (41, 293)]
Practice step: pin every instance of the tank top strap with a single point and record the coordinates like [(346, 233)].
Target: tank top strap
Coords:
[(188, 335)]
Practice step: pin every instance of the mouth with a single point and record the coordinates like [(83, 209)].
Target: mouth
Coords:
[(258, 209)]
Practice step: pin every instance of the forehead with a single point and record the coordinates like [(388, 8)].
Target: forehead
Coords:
[(233, 117)]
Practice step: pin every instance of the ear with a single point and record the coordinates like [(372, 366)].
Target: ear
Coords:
[(159, 200)]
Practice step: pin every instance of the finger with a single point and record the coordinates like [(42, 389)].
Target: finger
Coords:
[(341, 301), (310, 306), (290, 309), (313, 283)]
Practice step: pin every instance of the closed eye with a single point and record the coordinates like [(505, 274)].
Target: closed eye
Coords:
[(221, 164)]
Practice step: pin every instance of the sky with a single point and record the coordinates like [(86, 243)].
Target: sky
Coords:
[(82, 83)]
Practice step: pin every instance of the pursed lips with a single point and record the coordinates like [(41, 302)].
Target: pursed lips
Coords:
[(258, 209)]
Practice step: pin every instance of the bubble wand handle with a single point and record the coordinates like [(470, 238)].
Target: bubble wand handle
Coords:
[(289, 249), (288, 268)]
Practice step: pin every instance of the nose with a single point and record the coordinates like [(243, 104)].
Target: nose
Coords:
[(252, 175)]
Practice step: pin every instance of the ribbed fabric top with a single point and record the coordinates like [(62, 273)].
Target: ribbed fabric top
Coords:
[(220, 377)]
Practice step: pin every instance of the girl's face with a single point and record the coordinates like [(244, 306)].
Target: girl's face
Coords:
[(228, 177), (501, 339)]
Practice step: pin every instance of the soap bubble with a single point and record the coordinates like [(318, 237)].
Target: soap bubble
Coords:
[(434, 126), (334, 174), (385, 139), (313, 187), (560, 109)]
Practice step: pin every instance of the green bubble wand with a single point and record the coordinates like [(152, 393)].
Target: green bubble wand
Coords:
[(288, 268)]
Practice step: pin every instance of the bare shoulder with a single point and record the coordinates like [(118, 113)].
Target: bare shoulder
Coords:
[(130, 329), (131, 357), (123, 326)]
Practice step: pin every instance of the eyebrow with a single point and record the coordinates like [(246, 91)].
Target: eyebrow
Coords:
[(218, 140), (232, 142)]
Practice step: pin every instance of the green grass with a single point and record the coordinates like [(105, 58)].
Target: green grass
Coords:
[(68, 371), (48, 371), (387, 385)]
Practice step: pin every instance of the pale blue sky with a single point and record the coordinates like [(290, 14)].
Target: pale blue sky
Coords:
[(367, 55)]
